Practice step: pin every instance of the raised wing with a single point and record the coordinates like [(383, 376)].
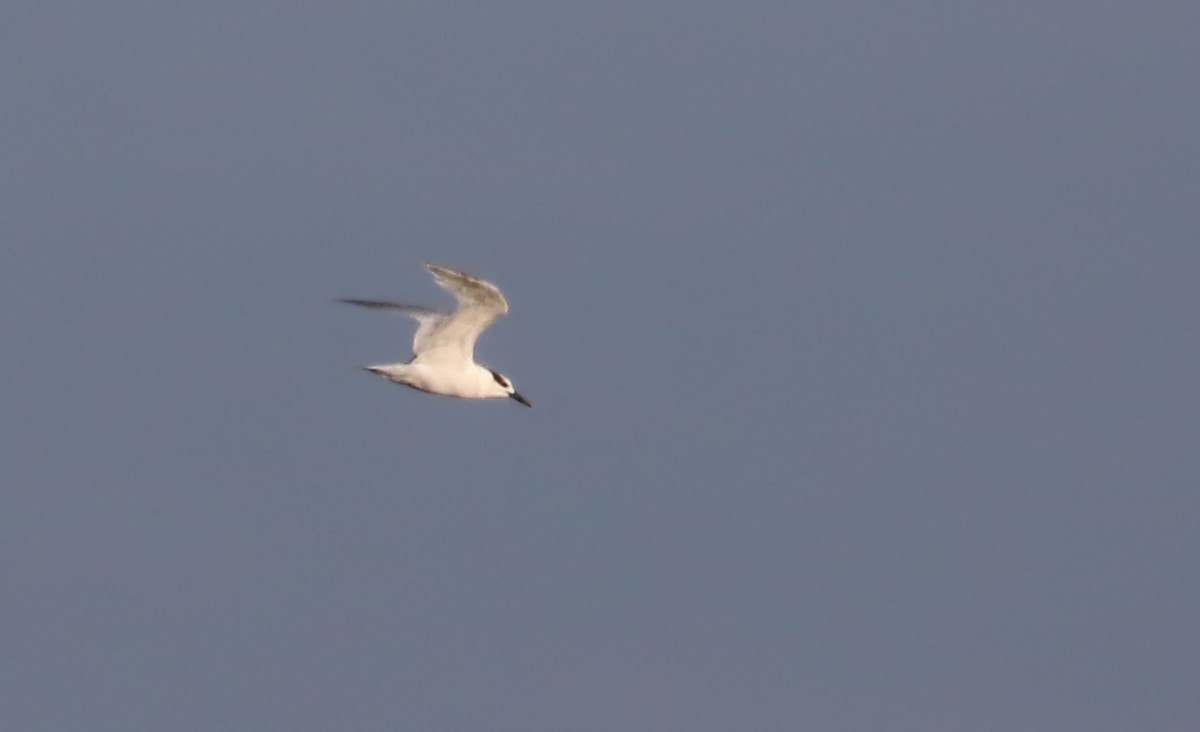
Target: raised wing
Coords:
[(427, 319), (480, 304)]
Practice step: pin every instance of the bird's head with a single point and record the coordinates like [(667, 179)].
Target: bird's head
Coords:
[(505, 388)]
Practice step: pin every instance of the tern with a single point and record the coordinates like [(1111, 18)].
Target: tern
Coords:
[(443, 359)]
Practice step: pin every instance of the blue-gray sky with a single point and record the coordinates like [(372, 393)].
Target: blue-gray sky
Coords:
[(863, 339)]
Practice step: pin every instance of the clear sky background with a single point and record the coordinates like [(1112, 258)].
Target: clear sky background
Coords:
[(862, 337)]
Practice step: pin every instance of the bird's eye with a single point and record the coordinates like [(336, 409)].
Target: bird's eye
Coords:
[(500, 379)]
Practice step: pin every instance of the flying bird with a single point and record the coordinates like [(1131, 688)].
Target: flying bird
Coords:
[(443, 359)]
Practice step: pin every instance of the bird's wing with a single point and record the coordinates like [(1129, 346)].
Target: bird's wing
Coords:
[(479, 305), (427, 319)]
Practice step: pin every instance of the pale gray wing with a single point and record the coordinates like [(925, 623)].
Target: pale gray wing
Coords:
[(427, 319), (480, 304)]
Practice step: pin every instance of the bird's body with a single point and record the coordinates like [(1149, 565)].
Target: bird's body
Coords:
[(444, 345), (466, 381)]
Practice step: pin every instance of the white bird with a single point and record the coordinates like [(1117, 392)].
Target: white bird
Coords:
[(443, 359)]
